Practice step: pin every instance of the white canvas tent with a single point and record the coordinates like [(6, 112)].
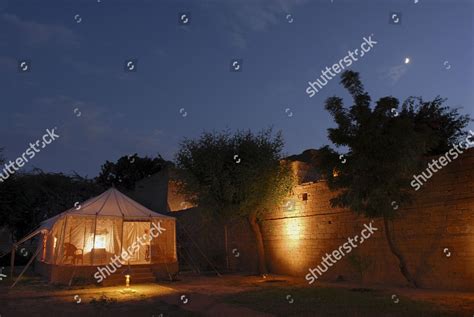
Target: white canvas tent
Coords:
[(92, 233)]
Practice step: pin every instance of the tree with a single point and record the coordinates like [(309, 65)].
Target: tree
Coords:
[(27, 199), (385, 149), (239, 175), (128, 170)]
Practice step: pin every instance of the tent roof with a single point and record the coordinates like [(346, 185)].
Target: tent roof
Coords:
[(108, 204)]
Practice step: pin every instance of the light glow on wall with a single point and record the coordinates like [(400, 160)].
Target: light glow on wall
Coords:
[(292, 233), (293, 228)]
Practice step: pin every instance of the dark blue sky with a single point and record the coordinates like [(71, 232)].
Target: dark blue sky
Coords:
[(81, 65)]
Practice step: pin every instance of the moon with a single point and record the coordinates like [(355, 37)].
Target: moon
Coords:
[(407, 60)]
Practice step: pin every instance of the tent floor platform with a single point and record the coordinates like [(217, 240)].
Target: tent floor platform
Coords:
[(83, 275)]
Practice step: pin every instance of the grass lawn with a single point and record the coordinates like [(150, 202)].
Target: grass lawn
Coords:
[(228, 296), (322, 301)]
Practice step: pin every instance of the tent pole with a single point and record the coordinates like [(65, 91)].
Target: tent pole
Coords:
[(95, 227), (28, 236), (174, 241), (150, 240), (44, 242), (3, 254), (121, 241), (12, 261), (60, 240), (15, 246), (123, 218), (93, 241), (226, 248), (84, 241), (27, 265)]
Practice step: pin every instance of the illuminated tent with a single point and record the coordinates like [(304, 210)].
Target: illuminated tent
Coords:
[(92, 233)]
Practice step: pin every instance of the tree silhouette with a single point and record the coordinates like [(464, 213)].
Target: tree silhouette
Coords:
[(27, 199), (239, 175), (128, 170), (386, 147)]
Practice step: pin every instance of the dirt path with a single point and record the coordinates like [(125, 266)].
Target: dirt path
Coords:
[(208, 306)]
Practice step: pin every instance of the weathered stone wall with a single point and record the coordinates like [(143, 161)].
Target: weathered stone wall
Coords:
[(442, 216), (435, 234), (152, 191)]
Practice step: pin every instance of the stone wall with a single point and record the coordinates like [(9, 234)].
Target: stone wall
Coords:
[(435, 234), (152, 191), (441, 217), (201, 243)]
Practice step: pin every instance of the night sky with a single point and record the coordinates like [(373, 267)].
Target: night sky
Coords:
[(183, 83)]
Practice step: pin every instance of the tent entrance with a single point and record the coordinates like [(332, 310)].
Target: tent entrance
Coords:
[(136, 239)]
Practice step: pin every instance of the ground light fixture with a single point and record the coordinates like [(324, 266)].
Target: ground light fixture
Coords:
[(127, 280), (127, 289)]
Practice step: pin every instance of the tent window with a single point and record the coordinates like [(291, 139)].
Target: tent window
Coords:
[(99, 241)]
